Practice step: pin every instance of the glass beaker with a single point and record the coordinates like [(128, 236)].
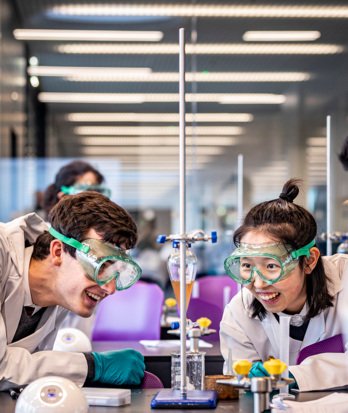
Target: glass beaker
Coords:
[(195, 371)]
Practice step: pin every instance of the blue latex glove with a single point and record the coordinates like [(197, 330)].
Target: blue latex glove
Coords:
[(122, 367), (257, 370)]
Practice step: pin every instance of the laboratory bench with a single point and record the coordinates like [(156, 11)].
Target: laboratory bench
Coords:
[(158, 359), (141, 403)]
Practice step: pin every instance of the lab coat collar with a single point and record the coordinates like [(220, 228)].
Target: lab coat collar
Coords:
[(333, 271), (315, 332), (45, 327), (22, 229), (28, 302)]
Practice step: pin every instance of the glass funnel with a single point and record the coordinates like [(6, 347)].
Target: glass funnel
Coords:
[(174, 271)]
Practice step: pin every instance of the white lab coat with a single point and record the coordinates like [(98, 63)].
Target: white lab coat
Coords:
[(252, 339), (28, 359)]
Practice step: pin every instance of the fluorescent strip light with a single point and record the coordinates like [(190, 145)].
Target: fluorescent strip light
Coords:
[(247, 98), (108, 98), (281, 36), (203, 48), (148, 159), (157, 130), (158, 141), (88, 35), (316, 168), (157, 159), (158, 117), (82, 74), (203, 10), (164, 159), (316, 150), (317, 141), (141, 150), (154, 167), (316, 158), (103, 73)]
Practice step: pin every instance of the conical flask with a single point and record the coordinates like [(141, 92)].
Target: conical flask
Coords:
[(174, 271)]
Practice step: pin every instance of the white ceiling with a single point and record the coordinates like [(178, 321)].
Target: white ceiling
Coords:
[(265, 141)]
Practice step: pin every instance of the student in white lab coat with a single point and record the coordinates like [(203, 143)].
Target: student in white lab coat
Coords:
[(283, 273), (72, 178), (44, 272)]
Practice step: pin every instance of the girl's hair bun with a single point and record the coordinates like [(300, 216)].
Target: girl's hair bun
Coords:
[(290, 190)]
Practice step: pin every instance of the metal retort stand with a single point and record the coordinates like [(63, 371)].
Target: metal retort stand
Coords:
[(184, 398)]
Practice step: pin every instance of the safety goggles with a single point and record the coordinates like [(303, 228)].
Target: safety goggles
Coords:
[(271, 262), (102, 261), (76, 189)]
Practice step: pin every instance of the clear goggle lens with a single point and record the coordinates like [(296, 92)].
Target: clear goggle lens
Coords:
[(102, 261), (244, 269), (125, 272), (271, 262), (105, 262)]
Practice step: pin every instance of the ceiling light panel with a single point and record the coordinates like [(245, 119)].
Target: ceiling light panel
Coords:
[(114, 98), (141, 150), (317, 141), (158, 117), (108, 74), (157, 130), (157, 141), (88, 35), (199, 49), (204, 10), (281, 36)]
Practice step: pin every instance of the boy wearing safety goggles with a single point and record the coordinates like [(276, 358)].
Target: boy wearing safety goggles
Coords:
[(71, 265), (277, 262)]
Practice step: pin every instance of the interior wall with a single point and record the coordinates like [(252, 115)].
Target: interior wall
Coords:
[(12, 86)]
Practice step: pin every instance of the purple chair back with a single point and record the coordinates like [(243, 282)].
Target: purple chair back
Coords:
[(132, 314), (151, 381), (211, 289), (330, 345), (200, 308)]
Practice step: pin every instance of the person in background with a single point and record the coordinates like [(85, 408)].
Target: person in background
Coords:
[(70, 265), (75, 177), (276, 259), (72, 178)]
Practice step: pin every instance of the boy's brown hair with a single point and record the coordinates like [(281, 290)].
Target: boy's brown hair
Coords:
[(74, 215)]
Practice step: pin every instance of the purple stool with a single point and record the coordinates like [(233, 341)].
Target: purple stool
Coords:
[(151, 381), (329, 345), (132, 314), (211, 289), (200, 308)]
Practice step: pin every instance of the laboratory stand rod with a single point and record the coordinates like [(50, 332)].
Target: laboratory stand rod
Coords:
[(182, 141)]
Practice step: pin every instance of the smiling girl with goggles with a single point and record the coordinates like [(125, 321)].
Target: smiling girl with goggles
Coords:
[(103, 261), (271, 262)]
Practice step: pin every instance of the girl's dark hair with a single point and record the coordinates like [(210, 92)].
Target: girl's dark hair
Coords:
[(67, 176), (294, 226), (343, 155)]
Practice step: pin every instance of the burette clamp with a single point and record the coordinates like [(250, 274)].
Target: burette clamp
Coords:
[(193, 236)]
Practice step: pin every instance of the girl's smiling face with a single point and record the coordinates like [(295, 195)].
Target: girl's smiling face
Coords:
[(288, 295)]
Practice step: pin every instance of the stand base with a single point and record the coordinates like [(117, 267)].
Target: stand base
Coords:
[(195, 399)]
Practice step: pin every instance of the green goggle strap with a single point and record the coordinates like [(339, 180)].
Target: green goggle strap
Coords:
[(69, 241), (303, 251), (67, 190)]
